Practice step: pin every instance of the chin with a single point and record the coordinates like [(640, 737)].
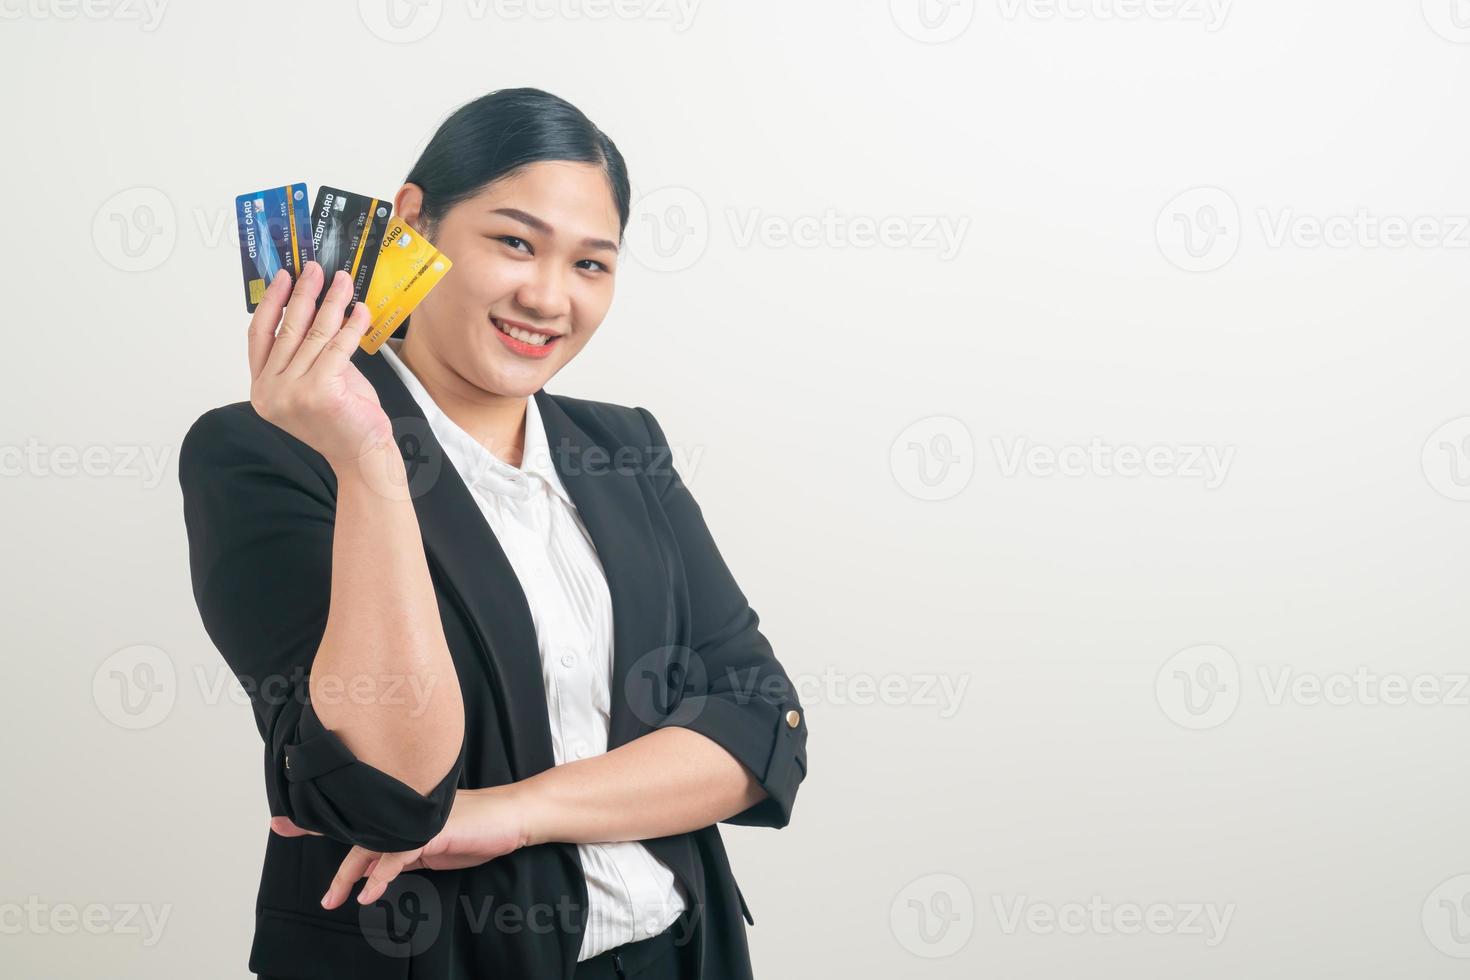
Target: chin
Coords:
[(510, 383)]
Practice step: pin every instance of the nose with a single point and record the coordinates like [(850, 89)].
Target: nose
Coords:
[(544, 293)]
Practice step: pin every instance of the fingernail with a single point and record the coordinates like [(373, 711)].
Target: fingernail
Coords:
[(326, 898)]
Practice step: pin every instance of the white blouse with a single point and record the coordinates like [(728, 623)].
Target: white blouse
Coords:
[(631, 894)]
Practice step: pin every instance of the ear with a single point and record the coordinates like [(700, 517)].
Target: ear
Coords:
[(408, 204)]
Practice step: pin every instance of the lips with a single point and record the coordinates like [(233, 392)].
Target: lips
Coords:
[(524, 332), (523, 339)]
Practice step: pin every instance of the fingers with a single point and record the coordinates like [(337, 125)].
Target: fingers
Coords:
[(380, 870), (382, 874), (340, 348), (286, 827), (325, 326), (353, 867), (300, 312), (263, 323)]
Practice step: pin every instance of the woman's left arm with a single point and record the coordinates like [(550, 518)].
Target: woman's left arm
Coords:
[(669, 781)]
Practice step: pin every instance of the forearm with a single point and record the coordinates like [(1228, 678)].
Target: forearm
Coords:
[(669, 781), (383, 678)]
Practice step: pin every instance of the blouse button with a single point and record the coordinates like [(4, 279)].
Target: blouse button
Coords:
[(793, 718), (569, 660)]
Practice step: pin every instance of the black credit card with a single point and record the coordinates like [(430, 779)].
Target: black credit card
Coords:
[(346, 234)]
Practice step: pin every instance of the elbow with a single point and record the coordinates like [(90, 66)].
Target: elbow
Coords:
[(767, 736), (323, 785), (409, 726), (779, 788), (784, 774), (429, 747)]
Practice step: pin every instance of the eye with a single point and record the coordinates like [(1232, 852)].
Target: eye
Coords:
[(515, 243), (592, 262)]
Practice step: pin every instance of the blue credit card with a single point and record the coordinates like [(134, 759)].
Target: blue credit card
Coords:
[(275, 234)]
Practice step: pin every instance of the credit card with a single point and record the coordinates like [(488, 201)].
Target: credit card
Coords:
[(346, 233), (408, 267), (274, 235)]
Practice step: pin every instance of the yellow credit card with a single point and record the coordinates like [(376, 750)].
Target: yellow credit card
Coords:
[(408, 267)]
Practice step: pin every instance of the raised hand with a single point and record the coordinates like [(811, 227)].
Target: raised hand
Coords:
[(302, 378)]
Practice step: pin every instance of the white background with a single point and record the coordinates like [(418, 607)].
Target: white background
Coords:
[(1239, 229)]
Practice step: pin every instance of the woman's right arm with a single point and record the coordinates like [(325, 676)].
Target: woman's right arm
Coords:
[(383, 678), (323, 604)]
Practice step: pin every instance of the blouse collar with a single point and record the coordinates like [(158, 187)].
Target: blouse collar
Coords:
[(476, 464)]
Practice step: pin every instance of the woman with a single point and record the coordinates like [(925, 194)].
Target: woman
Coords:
[(506, 683)]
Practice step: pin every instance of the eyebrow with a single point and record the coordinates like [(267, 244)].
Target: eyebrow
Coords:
[(545, 229)]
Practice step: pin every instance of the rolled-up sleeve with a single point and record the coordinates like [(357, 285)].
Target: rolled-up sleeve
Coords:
[(260, 522), (741, 698)]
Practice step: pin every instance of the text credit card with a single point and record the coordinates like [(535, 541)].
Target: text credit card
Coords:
[(408, 267), (274, 235), (346, 233)]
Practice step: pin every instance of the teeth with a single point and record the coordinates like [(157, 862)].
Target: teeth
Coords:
[(524, 336)]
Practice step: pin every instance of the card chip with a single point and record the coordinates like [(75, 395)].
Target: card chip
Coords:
[(257, 290)]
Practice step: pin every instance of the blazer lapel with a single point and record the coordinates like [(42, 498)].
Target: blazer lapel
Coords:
[(473, 567), (613, 508), (611, 505)]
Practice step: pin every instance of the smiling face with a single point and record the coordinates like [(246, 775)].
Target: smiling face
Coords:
[(534, 256)]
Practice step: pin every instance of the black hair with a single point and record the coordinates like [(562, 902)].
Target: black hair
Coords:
[(498, 134)]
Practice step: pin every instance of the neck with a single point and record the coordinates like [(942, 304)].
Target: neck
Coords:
[(497, 422)]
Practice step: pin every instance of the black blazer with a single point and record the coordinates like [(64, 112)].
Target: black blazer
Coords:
[(259, 506)]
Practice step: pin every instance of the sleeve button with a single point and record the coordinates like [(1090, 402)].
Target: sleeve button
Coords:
[(793, 718)]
